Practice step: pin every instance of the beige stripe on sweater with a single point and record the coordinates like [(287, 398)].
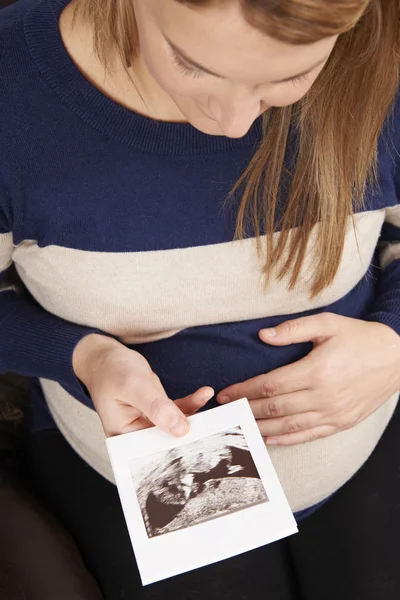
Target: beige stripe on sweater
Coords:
[(147, 296), (391, 251)]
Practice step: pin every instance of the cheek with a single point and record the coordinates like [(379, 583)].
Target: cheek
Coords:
[(289, 94), (177, 84)]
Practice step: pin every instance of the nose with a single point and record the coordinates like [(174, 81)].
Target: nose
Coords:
[(235, 116)]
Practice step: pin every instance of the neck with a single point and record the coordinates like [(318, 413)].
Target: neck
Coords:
[(135, 89)]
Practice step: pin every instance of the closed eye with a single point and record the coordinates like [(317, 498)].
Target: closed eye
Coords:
[(186, 69), (299, 79), (195, 73)]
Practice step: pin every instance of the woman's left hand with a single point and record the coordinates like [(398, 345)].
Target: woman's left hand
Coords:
[(352, 370)]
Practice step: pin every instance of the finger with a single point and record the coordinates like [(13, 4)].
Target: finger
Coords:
[(283, 406), (192, 403), (285, 380), (302, 437), (316, 328), (293, 424)]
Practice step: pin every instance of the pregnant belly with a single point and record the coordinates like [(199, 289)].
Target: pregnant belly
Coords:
[(309, 473)]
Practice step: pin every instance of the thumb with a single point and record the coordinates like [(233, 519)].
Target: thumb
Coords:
[(165, 414), (149, 397), (188, 406), (316, 328)]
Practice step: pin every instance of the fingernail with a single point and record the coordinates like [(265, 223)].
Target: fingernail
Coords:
[(269, 332), (178, 426), (224, 399), (272, 442)]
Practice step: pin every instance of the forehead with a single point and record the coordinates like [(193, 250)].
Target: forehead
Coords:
[(219, 37)]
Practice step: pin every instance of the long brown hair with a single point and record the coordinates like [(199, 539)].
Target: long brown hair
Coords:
[(337, 123)]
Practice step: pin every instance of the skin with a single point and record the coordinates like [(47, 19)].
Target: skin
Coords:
[(249, 67), (355, 365)]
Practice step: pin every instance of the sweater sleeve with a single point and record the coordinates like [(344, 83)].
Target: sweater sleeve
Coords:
[(386, 307), (34, 342)]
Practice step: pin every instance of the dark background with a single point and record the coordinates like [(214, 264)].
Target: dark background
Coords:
[(13, 397), (4, 3)]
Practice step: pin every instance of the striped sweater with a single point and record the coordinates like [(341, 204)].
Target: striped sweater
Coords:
[(117, 223)]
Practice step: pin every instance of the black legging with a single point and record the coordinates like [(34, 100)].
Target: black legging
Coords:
[(347, 550)]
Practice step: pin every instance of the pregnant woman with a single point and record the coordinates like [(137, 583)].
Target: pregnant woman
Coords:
[(200, 199)]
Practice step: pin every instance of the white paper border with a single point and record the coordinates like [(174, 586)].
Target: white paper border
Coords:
[(217, 539)]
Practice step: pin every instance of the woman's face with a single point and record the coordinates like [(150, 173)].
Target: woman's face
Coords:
[(219, 71)]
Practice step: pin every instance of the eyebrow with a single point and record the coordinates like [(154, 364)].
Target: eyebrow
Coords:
[(180, 54)]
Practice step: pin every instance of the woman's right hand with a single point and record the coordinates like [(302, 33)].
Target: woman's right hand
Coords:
[(126, 393)]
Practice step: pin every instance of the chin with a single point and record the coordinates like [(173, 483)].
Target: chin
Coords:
[(201, 122), (211, 127), (207, 126), (211, 131), (215, 130)]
